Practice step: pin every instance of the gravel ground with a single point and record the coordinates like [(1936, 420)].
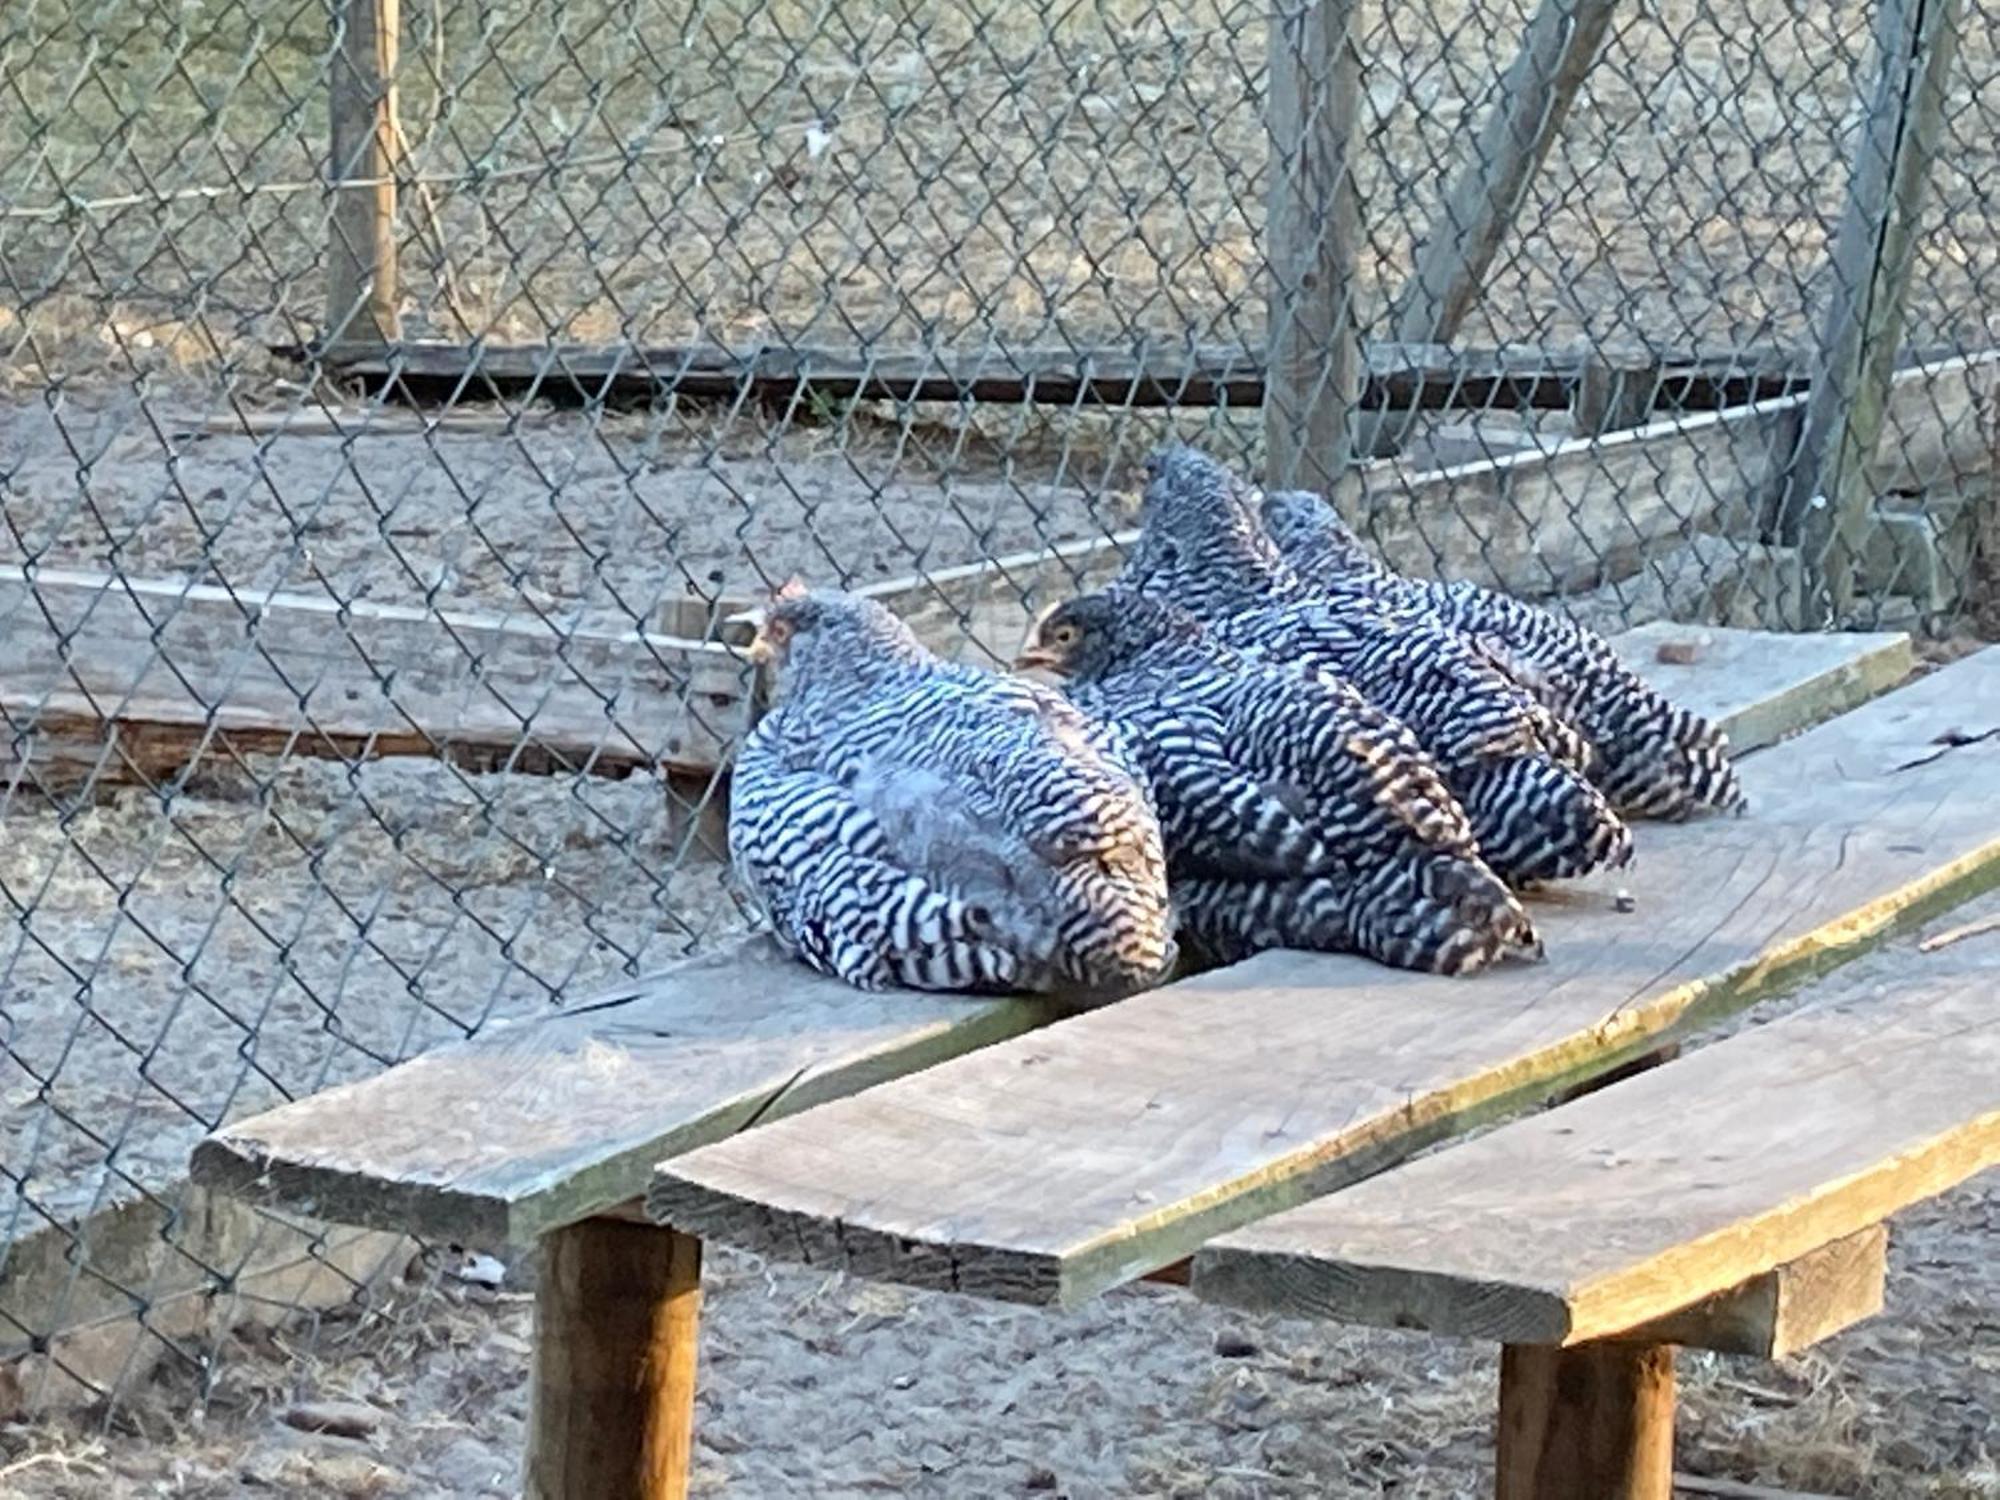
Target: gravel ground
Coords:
[(831, 1387), (613, 516), (343, 921)]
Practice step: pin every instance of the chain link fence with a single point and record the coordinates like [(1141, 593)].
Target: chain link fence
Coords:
[(370, 512)]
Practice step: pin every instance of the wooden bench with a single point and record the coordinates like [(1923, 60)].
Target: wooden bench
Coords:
[(549, 1131), (1733, 1200), (1058, 1164)]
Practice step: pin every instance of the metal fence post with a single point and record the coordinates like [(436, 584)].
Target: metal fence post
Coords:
[(1827, 498), (361, 287), (1314, 226)]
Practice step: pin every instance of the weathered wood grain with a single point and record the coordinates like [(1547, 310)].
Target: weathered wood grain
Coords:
[(135, 676), (1586, 1424), (617, 1330), (1827, 496), (362, 299), (1432, 377), (1632, 1204), (1059, 1164), (495, 1141), (1500, 159), (1780, 1312), (1766, 686), (1312, 238)]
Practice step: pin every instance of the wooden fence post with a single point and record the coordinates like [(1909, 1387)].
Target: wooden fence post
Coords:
[(1593, 1422), (1827, 501), (1313, 228), (1484, 195), (617, 1320), (361, 290)]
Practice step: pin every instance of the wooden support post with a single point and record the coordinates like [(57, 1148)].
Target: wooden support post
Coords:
[(361, 290), (1827, 497), (617, 1317), (1593, 1422), (1314, 378), (1483, 196)]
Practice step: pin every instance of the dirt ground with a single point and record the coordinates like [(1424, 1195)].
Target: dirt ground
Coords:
[(821, 1385), (610, 516)]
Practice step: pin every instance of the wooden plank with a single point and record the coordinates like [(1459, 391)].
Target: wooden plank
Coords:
[(1586, 1424), (1563, 518), (1537, 523), (528, 1127), (1730, 1489), (1402, 376), (1707, 580), (1766, 686), (168, 671), (1056, 1165), (1780, 1312), (1629, 1205), (1312, 237), (1827, 496), (153, 1262), (362, 301), (1484, 194), (617, 1326)]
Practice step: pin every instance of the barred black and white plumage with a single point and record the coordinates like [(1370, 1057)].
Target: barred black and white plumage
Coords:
[(1654, 758), (1296, 814), (1520, 771), (902, 821)]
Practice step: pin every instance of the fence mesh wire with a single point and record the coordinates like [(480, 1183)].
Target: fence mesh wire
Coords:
[(347, 715)]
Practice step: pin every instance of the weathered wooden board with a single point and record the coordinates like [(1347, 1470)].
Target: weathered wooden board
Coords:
[(1058, 1164), (1567, 517), (1536, 522), (1402, 376), (1778, 1313), (1765, 686), (980, 611), (530, 1126), (554, 1120), (144, 675), (1676, 1185)]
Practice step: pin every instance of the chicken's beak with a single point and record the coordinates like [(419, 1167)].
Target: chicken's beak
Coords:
[(1037, 659), (746, 629)]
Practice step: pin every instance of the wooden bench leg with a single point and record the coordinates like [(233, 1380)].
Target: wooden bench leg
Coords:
[(617, 1323), (1593, 1422)]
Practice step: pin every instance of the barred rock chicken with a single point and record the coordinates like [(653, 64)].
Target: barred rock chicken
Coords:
[(1519, 771), (1296, 814), (1654, 760), (903, 821)]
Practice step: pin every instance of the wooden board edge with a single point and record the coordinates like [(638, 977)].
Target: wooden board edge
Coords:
[(1599, 1306), (624, 1176), (235, 1160), (1784, 1310), (1866, 676), (1526, 1083), (1087, 1269)]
